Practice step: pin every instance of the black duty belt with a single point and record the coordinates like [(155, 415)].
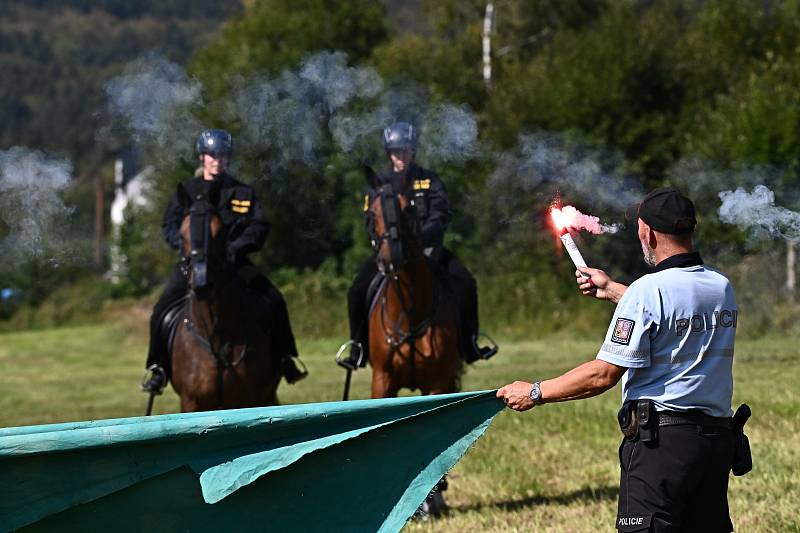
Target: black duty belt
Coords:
[(678, 418)]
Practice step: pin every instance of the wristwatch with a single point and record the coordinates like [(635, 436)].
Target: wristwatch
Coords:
[(536, 393)]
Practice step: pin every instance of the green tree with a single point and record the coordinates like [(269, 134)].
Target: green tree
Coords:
[(272, 35)]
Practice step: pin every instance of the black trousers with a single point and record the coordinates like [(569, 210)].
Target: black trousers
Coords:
[(274, 309), (464, 288), (176, 288), (680, 484)]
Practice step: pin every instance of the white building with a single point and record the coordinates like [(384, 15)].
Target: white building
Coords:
[(131, 188)]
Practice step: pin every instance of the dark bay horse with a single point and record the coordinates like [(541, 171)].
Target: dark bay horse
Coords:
[(220, 353), (413, 340)]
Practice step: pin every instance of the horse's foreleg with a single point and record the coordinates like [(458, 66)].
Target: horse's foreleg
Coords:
[(445, 385), (189, 405), (382, 385)]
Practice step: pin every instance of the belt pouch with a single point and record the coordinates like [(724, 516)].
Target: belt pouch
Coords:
[(742, 458), (648, 420), (627, 420)]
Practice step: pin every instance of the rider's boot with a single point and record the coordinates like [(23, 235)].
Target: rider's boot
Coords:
[(290, 370), (354, 359), (157, 380)]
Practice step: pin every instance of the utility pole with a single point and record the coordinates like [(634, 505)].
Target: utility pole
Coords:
[(488, 21), (99, 209), (791, 245)]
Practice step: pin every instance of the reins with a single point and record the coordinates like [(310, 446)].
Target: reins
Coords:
[(394, 334), (397, 337), (221, 355), (196, 263)]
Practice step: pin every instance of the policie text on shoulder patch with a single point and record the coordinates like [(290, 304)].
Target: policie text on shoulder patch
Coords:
[(622, 331)]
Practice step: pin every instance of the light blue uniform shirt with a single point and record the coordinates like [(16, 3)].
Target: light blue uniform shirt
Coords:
[(674, 330)]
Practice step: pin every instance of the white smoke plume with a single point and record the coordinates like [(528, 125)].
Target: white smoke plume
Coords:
[(447, 133), (155, 98), (757, 211), (450, 133), (359, 132), (544, 164), (30, 205), (287, 114), (295, 112), (582, 221), (292, 117)]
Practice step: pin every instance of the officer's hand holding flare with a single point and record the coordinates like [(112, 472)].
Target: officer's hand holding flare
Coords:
[(595, 282)]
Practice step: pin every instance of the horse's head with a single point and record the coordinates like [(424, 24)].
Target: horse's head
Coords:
[(203, 246), (393, 229)]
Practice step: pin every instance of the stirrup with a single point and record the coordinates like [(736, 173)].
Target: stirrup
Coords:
[(485, 352), (347, 362), (149, 375)]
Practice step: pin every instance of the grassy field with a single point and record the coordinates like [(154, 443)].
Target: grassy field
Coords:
[(551, 469)]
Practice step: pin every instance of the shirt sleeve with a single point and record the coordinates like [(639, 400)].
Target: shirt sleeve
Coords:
[(439, 214), (256, 229), (627, 342), (171, 223)]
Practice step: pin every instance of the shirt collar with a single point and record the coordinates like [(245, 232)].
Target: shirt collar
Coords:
[(687, 259)]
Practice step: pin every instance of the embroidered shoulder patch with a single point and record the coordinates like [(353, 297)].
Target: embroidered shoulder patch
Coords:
[(240, 206), (622, 331)]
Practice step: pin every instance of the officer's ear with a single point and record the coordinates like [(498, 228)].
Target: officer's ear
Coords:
[(370, 176), (650, 236)]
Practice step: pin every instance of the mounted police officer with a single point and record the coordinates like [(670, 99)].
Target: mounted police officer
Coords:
[(246, 229), (672, 337), (432, 206)]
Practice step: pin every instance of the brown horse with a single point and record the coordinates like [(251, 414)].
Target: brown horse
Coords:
[(220, 353), (413, 341)]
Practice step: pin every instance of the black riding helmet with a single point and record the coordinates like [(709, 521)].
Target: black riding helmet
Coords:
[(214, 142), (399, 136)]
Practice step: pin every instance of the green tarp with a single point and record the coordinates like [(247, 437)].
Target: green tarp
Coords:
[(342, 466)]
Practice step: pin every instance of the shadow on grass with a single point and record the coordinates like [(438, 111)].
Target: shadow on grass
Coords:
[(586, 495)]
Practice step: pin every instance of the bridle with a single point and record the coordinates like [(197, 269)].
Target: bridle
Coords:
[(393, 234), (194, 267), (397, 239)]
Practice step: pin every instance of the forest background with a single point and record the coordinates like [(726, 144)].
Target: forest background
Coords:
[(590, 102)]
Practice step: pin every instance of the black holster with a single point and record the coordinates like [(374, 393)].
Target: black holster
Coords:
[(742, 458), (627, 421), (638, 420)]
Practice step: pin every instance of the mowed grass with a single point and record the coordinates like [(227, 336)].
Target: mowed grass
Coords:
[(551, 469)]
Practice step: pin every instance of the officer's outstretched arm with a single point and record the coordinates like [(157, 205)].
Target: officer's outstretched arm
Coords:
[(599, 284), (587, 380)]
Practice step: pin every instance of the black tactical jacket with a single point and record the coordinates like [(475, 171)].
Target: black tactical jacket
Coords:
[(236, 204), (427, 191)]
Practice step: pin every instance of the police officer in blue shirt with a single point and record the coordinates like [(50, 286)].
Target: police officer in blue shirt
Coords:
[(246, 229), (671, 342), (426, 190)]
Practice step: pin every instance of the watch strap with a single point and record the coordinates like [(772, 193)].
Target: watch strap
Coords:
[(536, 393)]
